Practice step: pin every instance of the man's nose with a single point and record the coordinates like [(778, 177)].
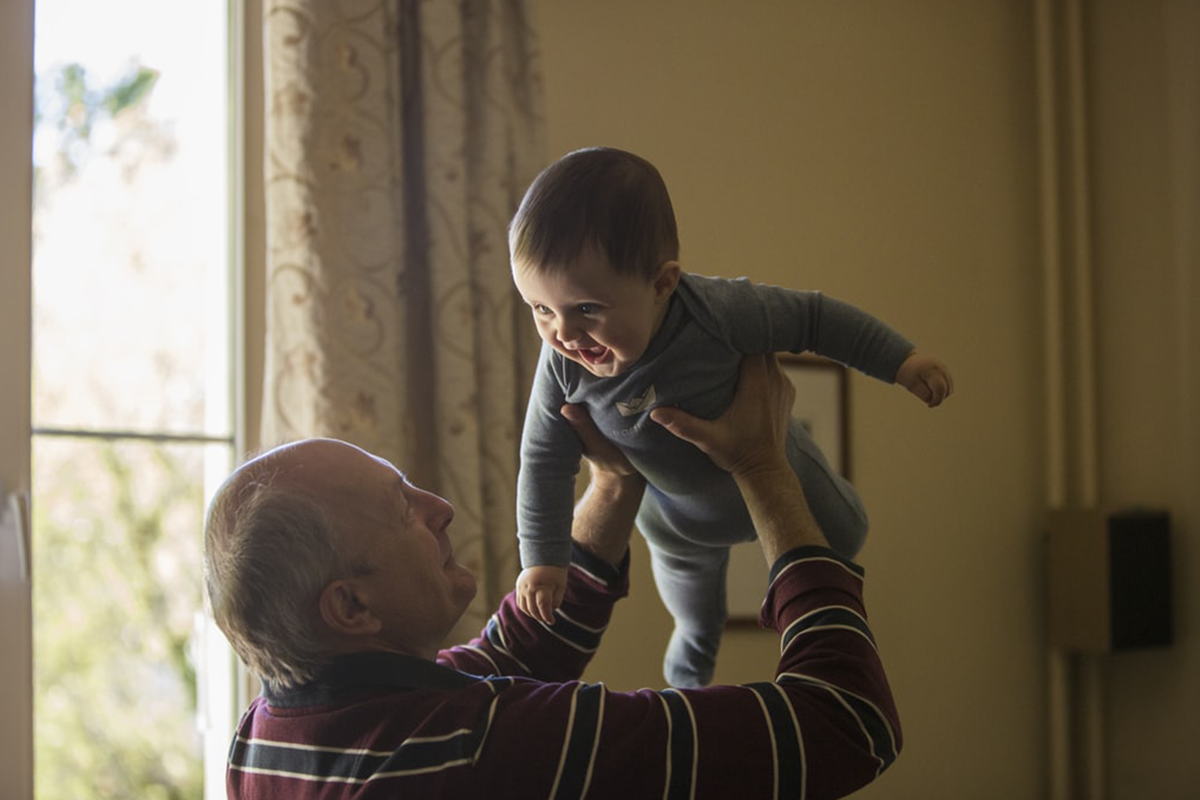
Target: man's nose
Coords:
[(444, 511), (437, 508)]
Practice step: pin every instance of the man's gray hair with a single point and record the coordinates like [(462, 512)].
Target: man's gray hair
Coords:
[(270, 548)]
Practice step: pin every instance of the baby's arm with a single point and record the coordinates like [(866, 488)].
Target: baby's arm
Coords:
[(760, 318), (925, 377), (550, 459), (540, 591), (603, 519)]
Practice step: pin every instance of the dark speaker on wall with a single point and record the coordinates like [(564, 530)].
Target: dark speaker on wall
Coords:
[(1110, 580)]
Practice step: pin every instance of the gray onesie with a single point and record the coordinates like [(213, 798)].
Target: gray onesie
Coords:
[(692, 512)]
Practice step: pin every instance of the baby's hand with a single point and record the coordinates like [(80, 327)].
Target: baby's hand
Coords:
[(540, 590), (927, 378)]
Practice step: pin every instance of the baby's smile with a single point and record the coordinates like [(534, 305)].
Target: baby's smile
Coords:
[(594, 355)]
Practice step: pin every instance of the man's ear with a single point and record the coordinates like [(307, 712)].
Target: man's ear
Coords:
[(346, 609), (666, 279)]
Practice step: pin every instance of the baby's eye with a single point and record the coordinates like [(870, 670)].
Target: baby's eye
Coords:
[(587, 309), (541, 310)]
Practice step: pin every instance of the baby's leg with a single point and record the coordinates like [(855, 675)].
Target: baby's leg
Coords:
[(834, 502), (691, 584)]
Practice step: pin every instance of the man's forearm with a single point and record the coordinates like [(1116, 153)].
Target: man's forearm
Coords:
[(605, 515), (778, 510)]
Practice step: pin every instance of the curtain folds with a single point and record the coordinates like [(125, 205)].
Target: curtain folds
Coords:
[(400, 137)]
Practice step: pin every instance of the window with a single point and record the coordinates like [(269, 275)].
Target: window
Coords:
[(133, 394)]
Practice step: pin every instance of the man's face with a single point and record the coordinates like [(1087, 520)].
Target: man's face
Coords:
[(397, 534), (593, 315)]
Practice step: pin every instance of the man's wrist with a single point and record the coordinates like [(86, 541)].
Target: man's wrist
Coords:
[(616, 483), (608, 548), (608, 572), (778, 509), (605, 515)]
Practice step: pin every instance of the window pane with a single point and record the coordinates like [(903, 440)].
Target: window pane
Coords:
[(116, 596), (130, 245), (132, 316)]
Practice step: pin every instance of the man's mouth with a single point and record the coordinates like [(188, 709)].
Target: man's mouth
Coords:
[(447, 549), (594, 355)]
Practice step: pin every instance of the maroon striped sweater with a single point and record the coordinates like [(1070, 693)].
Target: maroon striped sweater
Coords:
[(505, 716)]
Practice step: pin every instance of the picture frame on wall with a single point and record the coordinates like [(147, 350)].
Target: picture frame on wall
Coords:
[(823, 408)]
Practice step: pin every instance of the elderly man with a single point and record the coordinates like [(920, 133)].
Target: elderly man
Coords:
[(334, 579)]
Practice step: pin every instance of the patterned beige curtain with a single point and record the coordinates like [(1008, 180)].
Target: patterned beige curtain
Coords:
[(400, 136)]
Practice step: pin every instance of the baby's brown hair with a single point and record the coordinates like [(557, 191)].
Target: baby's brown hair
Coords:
[(602, 198)]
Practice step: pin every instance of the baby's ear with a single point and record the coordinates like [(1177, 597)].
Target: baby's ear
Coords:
[(666, 279)]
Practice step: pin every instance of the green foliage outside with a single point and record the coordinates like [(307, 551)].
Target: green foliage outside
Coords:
[(74, 107), (115, 595)]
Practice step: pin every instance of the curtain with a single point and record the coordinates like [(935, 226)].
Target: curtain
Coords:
[(400, 136)]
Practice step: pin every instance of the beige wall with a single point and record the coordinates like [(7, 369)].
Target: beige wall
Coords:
[(887, 154)]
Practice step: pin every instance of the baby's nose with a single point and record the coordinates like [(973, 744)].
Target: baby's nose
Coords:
[(569, 334)]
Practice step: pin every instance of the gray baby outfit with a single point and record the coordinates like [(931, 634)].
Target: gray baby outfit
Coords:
[(692, 511)]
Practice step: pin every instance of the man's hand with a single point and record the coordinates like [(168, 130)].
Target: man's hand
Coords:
[(749, 440), (750, 434), (540, 591), (602, 455), (927, 378)]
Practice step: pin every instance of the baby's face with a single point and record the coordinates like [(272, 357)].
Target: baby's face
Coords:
[(595, 316)]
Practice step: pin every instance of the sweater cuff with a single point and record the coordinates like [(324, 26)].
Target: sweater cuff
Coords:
[(809, 551), (600, 572)]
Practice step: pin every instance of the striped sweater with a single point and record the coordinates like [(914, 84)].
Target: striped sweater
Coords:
[(505, 716)]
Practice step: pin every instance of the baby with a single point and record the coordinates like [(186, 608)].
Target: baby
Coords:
[(595, 255)]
